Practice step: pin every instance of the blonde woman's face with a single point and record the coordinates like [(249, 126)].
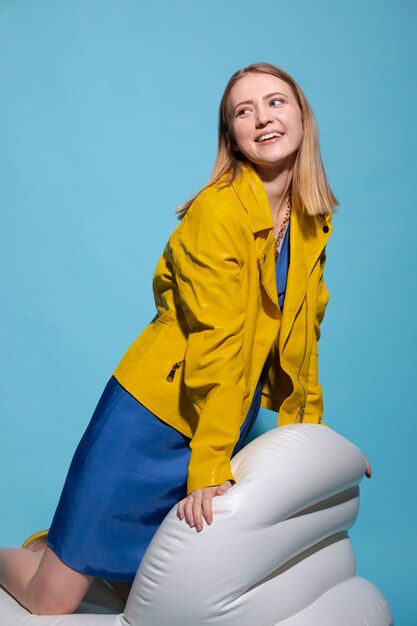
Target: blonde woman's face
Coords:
[(267, 123)]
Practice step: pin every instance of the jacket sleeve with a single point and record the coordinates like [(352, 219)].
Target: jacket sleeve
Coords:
[(207, 269), (314, 406)]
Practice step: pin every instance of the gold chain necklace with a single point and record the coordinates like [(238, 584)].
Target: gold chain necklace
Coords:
[(285, 220)]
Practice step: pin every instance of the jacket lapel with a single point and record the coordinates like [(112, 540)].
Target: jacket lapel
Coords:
[(251, 192), (308, 238)]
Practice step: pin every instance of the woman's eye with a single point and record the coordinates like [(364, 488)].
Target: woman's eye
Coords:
[(275, 102), (243, 111)]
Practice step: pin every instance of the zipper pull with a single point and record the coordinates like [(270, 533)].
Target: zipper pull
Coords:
[(170, 377), (301, 412)]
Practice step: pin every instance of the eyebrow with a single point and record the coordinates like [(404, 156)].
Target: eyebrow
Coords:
[(269, 95)]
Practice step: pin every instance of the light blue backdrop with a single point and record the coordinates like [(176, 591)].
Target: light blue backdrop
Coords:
[(108, 115)]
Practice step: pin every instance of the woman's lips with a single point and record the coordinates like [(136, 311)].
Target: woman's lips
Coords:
[(269, 137)]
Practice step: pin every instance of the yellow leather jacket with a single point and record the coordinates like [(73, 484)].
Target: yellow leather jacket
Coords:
[(219, 326)]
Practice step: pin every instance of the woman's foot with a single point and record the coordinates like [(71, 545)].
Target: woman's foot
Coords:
[(36, 542), (37, 545)]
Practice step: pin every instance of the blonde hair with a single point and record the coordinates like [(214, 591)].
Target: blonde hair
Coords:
[(311, 193)]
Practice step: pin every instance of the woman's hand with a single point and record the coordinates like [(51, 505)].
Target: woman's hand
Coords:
[(198, 505), (368, 468)]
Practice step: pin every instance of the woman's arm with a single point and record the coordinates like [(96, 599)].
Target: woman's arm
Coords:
[(207, 271)]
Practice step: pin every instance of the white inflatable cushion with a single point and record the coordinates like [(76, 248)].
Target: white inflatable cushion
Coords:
[(277, 553)]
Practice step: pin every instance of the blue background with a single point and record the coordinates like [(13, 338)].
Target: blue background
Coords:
[(108, 115)]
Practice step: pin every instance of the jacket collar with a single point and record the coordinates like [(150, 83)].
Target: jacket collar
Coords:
[(250, 190), (309, 235)]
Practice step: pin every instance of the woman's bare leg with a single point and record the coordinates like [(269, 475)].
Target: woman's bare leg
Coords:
[(39, 544), (42, 583)]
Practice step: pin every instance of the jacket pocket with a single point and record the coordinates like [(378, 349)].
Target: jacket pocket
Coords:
[(173, 370)]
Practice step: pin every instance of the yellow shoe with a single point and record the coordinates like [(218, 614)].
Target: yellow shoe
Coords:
[(34, 537)]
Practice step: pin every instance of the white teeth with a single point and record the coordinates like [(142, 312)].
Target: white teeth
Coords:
[(269, 136)]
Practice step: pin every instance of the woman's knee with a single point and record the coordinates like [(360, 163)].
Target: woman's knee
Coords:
[(56, 589), (52, 605)]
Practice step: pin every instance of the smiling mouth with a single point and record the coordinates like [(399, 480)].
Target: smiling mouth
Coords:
[(272, 135)]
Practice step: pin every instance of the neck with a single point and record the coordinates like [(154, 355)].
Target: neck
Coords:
[(277, 185)]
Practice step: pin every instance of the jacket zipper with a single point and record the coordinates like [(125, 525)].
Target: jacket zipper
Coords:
[(170, 377), (303, 406)]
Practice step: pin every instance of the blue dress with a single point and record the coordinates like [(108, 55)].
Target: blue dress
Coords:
[(129, 470)]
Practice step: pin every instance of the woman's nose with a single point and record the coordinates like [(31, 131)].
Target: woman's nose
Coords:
[(263, 117)]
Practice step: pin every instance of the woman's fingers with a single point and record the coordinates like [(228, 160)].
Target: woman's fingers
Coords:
[(368, 471), (181, 509), (197, 506), (207, 506), (223, 488), (197, 510), (189, 514)]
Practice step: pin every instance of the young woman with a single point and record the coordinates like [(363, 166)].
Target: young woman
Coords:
[(240, 295)]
